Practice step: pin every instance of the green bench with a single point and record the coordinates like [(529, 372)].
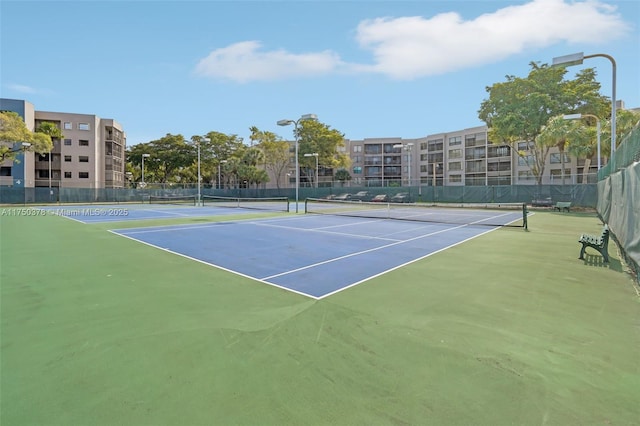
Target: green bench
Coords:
[(600, 243), (562, 205)]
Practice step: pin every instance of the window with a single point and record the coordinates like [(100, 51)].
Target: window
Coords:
[(557, 158), (357, 170), (67, 175), (456, 165), (435, 144), (67, 142), (84, 126), (357, 148), (83, 159), (373, 149), (43, 174), (455, 178), (524, 146), (455, 153), (526, 175), (525, 161), (67, 125), (5, 171), (556, 174), (83, 175), (456, 140), (67, 158), (83, 142)]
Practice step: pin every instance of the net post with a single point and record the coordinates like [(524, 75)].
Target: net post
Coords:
[(525, 222), (306, 202)]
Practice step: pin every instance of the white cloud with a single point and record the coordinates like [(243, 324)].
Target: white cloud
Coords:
[(244, 62), (22, 88), (412, 47)]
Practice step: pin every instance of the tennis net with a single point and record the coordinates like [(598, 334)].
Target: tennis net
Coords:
[(264, 203), (488, 214), (189, 200)]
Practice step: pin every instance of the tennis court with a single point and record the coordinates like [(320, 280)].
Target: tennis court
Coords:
[(507, 327), (168, 208), (314, 255)]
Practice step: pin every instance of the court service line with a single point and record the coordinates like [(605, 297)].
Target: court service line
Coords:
[(361, 252), (322, 230)]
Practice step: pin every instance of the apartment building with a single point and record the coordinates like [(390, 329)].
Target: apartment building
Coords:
[(90, 153), (460, 158)]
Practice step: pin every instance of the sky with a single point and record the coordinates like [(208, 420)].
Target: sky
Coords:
[(368, 68)]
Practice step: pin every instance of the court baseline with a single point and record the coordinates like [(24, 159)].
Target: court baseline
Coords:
[(311, 255)]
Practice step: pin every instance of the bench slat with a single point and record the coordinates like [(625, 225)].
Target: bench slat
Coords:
[(600, 243)]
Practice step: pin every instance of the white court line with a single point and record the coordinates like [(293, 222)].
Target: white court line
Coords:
[(323, 231), (362, 252), (404, 264), (214, 265), (262, 223)]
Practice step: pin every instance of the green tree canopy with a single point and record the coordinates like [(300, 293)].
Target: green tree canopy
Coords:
[(317, 137), (13, 130), (168, 155), (276, 152), (517, 110)]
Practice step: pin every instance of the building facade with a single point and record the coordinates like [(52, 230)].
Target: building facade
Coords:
[(90, 153), (460, 158)]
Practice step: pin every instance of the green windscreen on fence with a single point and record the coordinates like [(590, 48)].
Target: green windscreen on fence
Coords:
[(619, 207), (627, 152)]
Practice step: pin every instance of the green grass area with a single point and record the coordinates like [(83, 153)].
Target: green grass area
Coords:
[(507, 329)]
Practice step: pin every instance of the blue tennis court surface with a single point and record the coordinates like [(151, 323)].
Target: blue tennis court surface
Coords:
[(308, 254), (119, 213)]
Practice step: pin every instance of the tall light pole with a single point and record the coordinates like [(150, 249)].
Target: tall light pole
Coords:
[(286, 122), (199, 200), (315, 154), (199, 197), (407, 147), (50, 173), (577, 59), (142, 167), (578, 117), (219, 174)]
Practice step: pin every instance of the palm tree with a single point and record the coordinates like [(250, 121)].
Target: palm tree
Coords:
[(557, 132)]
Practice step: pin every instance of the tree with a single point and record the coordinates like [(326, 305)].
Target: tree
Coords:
[(55, 134), (626, 120), (251, 158), (558, 132), (276, 152), (342, 175), (49, 128), (218, 148), (518, 109), (317, 137), (168, 155), (14, 130)]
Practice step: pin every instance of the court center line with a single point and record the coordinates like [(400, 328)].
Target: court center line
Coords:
[(361, 252), (324, 231)]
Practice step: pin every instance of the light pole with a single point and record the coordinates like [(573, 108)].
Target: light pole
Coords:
[(50, 193), (407, 147), (219, 174), (578, 117), (23, 146), (315, 154), (286, 122), (142, 167), (577, 59)]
